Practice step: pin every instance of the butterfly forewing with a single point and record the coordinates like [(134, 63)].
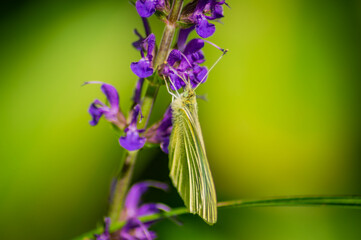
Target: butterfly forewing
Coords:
[(189, 169)]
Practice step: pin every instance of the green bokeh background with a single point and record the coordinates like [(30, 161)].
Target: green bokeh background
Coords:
[(282, 117)]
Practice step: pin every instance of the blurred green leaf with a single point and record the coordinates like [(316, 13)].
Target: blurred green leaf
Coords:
[(337, 201)]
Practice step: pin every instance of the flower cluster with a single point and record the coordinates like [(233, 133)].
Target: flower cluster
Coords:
[(134, 229), (183, 64)]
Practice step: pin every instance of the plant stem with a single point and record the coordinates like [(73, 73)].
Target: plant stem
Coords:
[(121, 186), (161, 56), (168, 33), (125, 174), (296, 201)]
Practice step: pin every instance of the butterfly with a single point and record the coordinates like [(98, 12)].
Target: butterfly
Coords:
[(188, 163)]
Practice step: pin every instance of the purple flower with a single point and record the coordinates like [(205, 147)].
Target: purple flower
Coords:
[(206, 10), (160, 132), (138, 91), (186, 65), (182, 37), (105, 235), (147, 8), (112, 113), (138, 44), (143, 68), (132, 141), (134, 229)]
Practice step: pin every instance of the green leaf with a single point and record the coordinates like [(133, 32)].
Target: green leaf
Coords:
[(336, 201)]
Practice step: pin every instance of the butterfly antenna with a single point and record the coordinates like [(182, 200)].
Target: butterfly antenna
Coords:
[(224, 51), (169, 91)]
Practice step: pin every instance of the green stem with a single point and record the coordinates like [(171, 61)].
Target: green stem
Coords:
[(168, 34), (335, 201), (125, 174), (121, 186)]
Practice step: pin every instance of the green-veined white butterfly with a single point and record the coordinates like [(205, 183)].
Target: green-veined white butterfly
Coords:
[(188, 164)]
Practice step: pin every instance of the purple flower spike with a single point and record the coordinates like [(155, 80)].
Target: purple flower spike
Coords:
[(132, 141), (135, 229), (105, 235), (143, 68), (147, 8), (112, 113)]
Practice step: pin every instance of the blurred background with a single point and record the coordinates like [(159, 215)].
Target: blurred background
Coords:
[(282, 117)]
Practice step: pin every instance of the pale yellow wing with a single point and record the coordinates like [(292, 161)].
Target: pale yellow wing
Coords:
[(189, 168)]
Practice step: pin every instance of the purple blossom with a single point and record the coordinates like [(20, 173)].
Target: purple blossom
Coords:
[(105, 235), (206, 10), (132, 140), (134, 229), (112, 113), (164, 130), (186, 65), (160, 132), (182, 37), (138, 44), (143, 68), (138, 91), (147, 8)]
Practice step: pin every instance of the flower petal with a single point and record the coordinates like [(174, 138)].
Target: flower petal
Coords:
[(134, 229), (96, 113), (177, 81), (182, 37), (149, 45), (135, 193), (199, 75), (112, 95), (138, 44), (145, 8), (165, 144), (204, 28), (193, 46), (152, 208), (142, 68), (132, 141), (174, 56)]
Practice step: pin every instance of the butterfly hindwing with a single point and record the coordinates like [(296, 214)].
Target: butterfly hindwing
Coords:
[(189, 168)]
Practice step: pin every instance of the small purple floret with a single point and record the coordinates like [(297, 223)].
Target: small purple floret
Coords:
[(206, 10), (203, 27), (132, 140), (134, 229), (143, 68), (147, 8), (98, 109), (164, 130)]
